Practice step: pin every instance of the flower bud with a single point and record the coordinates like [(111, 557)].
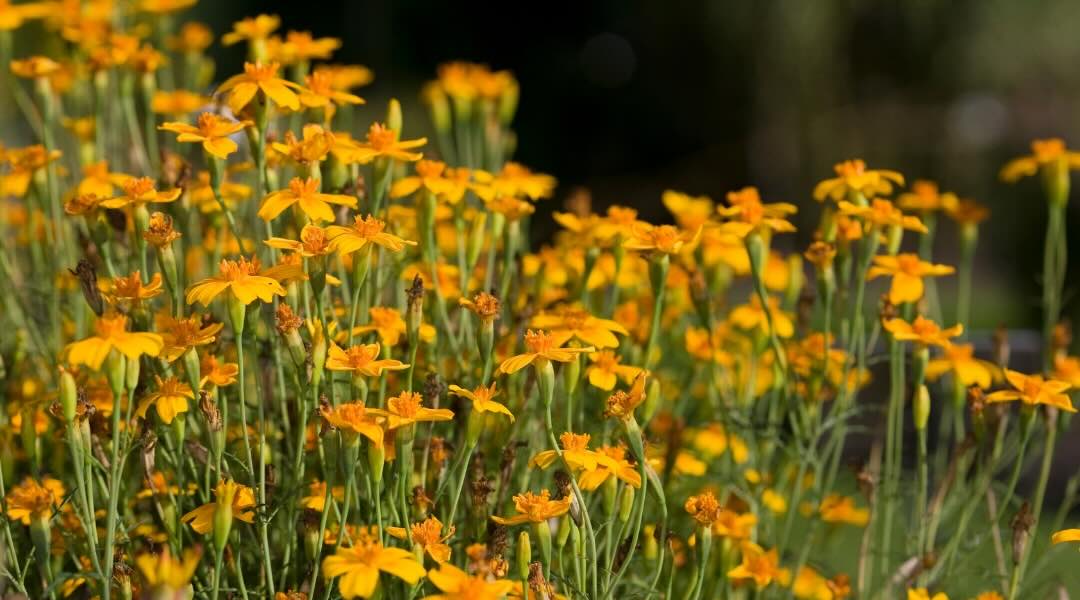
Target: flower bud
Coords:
[(652, 400), (376, 460), (223, 514), (439, 106), (524, 554), (626, 503), (610, 494), (571, 373), (69, 395), (476, 239), (920, 410), (543, 533), (115, 368)]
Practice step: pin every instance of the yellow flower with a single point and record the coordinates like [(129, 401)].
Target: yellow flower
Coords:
[(12, 16), (1033, 390), (244, 280), (241, 89), (139, 192), (435, 177), (925, 197), (193, 37), (130, 289), (313, 147), (35, 67), (484, 305), (32, 501), (162, 572), (540, 347), (320, 92), (481, 399), (515, 180), (24, 163), (216, 373), (907, 271), (571, 322), (753, 316), (691, 212), (312, 242), (621, 405), (383, 142), (165, 6), (212, 131), (1045, 154), (316, 498), (386, 321), (575, 451), (110, 331), (611, 462), (535, 508), (922, 331), (252, 28), (665, 239), (346, 77), (243, 506), (407, 408), (1065, 535), (922, 594), (169, 399), (734, 525), (959, 359), (991, 595), (758, 566), (605, 370), (853, 178), (747, 213), (359, 567), (99, 181), (364, 231), (704, 508), (514, 209), (354, 419), (301, 46), (428, 535), (841, 509), (456, 584), (362, 359), (881, 213), (305, 192)]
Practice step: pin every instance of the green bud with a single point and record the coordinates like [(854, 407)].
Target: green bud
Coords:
[(626, 504), (115, 367), (545, 380), (563, 534), (376, 460), (571, 373), (524, 554), (508, 103), (652, 400), (476, 238), (131, 374), (69, 395), (610, 494), (920, 410), (439, 105), (543, 533), (393, 116)]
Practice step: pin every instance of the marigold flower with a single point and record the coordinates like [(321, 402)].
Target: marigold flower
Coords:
[(164, 573), (159, 231), (252, 28), (32, 501), (540, 347), (481, 399), (230, 193), (758, 566), (212, 131), (130, 288), (456, 584), (690, 212), (110, 331), (364, 231), (611, 462), (243, 506), (320, 92), (925, 197), (301, 46), (433, 176), (535, 508), (571, 322), (1033, 390), (312, 242), (515, 180), (35, 67), (169, 399), (383, 142), (922, 331), (605, 370), (959, 359), (346, 77), (407, 408), (1048, 153), (239, 90), (359, 567), (305, 192), (361, 359), (99, 181), (704, 508), (193, 37), (316, 498), (354, 419), (747, 213), (313, 147), (140, 192), (243, 279), (13, 16), (484, 305), (390, 325), (428, 536), (907, 271), (164, 6), (575, 451), (853, 178), (217, 373), (836, 508), (753, 316), (665, 239), (881, 213), (622, 405), (923, 594), (181, 334)]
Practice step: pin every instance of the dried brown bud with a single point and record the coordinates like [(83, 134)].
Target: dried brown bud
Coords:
[(498, 539), (579, 201), (414, 294), (1021, 529), (87, 276), (286, 319), (538, 584), (888, 310), (160, 233), (210, 411), (433, 389), (820, 254), (1001, 346)]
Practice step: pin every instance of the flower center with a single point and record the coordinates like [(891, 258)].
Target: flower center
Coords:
[(380, 137)]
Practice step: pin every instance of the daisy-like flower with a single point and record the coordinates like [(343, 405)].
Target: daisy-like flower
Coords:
[(239, 496), (32, 501), (456, 584), (252, 29), (575, 451), (110, 331), (362, 359), (140, 192), (35, 67), (882, 214), (346, 77), (571, 322), (926, 197), (212, 131), (243, 279), (433, 176), (240, 90), (704, 508), (99, 181), (385, 321), (364, 231), (922, 331), (621, 405), (216, 373), (516, 180), (611, 462), (301, 46), (193, 38), (1045, 154), (853, 179), (320, 92), (166, 575), (305, 193), (231, 192), (753, 316), (758, 566), (169, 399), (383, 142), (540, 347), (177, 103), (482, 399), (907, 272), (484, 305), (24, 163), (312, 242), (836, 508), (358, 567), (605, 370), (535, 508), (129, 289), (408, 408), (314, 145), (428, 536), (746, 214), (13, 16), (959, 359), (690, 212), (354, 419), (1033, 390), (924, 594), (181, 334), (316, 498), (665, 239)]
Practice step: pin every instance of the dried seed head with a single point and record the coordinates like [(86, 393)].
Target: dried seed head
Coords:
[(1021, 529), (1001, 346), (498, 539), (87, 276), (210, 411)]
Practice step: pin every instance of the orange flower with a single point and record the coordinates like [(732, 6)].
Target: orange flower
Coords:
[(407, 408), (252, 28), (110, 331), (535, 508), (245, 280), (241, 498), (31, 500), (540, 347), (570, 322), (881, 213), (354, 419), (922, 331), (259, 77), (747, 213), (305, 192), (169, 399), (1048, 153), (364, 231), (907, 271), (758, 566), (481, 398), (665, 239), (212, 132), (383, 142), (139, 192), (605, 370), (853, 178), (1033, 390), (361, 360)]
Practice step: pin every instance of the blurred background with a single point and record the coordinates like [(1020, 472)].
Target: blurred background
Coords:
[(630, 98)]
